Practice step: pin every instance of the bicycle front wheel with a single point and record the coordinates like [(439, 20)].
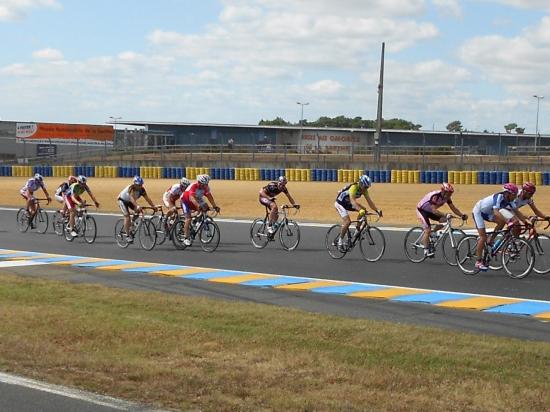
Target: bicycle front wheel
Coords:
[(120, 235), (258, 233), (178, 235), (159, 228), (541, 246), (518, 258), (372, 244), (289, 235), (449, 243), (90, 229), (413, 246), (331, 242), (147, 234), (57, 222), (466, 255), (41, 220), (209, 235), (23, 220)]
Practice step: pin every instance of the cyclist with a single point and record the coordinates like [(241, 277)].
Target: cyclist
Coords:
[(525, 197), (73, 199), (171, 196), (127, 200), (347, 201), (426, 210), (27, 191), (498, 208), (193, 199), (267, 198), (62, 189)]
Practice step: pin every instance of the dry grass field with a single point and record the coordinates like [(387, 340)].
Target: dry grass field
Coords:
[(239, 199)]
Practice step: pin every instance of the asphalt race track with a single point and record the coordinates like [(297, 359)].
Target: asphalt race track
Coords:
[(310, 260)]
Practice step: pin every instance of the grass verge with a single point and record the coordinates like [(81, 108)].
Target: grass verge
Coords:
[(194, 353)]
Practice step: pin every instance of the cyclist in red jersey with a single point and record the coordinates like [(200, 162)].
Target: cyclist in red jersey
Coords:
[(267, 198)]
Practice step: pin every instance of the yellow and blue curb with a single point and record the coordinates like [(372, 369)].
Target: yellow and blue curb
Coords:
[(537, 309)]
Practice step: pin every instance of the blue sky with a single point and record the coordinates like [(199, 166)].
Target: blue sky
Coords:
[(477, 61)]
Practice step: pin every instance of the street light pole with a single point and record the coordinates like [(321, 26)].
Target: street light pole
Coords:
[(302, 120), (114, 119), (539, 98)]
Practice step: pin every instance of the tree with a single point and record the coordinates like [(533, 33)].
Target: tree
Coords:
[(520, 130), (455, 126), (278, 121), (509, 127)]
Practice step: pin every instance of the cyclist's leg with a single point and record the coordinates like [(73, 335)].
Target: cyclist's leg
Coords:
[(424, 218), (71, 206), (187, 208), (346, 221), (479, 220), (126, 213), (274, 213)]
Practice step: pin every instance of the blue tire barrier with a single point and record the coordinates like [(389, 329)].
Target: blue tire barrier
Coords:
[(377, 176), (422, 176), (481, 177), (231, 174), (505, 177), (324, 174), (263, 174), (493, 178), (546, 178)]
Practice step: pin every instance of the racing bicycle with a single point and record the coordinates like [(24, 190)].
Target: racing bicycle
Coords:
[(372, 242), (203, 226), (448, 237), (84, 225), (141, 226), (289, 231), (38, 221)]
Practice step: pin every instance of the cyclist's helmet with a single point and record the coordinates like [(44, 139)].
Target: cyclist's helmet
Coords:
[(82, 179), (510, 188), (203, 179), (138, 180), (72, 179), (529, 187), (38, 177), (282, 180), (447, 187), (185, 181), (365, 181)]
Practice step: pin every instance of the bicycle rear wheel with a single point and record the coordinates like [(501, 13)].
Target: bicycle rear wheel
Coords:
[(178, 235), (289, 235), (541, 246), (331, 242), (449, 252), (41, 221), (413, 246), (57, 222), (120, 235), (209, 235), (159, 228), (466, 255), (258, 233), (518, 258), (372, 244), (147, 234), (22, 220)]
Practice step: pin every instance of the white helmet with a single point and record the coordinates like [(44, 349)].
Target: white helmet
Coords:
[(203, 179), (365, 181), (38, 177), (185, 181), (82, 179)]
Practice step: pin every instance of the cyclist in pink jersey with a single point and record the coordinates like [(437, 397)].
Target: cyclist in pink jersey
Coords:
[(172, 195), (426, 209), (27, 192)]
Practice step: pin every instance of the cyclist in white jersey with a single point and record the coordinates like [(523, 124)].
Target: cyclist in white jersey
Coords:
[(525, 197), (127, 200), (27, 191), (171, 196)]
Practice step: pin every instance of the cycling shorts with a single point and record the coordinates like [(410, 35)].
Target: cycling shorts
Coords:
[(125, 207), (343, 211), (424, 216), (169, 200)]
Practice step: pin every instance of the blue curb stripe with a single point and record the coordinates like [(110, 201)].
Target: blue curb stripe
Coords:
[(106, 262), (277, 281), (20, 254), (215, 274), (344, 290), (60, 259), (150, 269), (521, 308), (432, 297)]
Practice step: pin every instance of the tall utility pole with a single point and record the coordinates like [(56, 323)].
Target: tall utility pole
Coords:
[(302, 120), (378, 130), (539, 98)]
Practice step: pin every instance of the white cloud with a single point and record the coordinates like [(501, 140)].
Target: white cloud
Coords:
[(451, 7), (325, 87), (525, 4), (16, 69), (16, 9), (48, 54)]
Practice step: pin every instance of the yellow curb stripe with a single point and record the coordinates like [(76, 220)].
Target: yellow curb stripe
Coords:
[(242, 278), (311, 285), (183, 272), (478, 302), (387, 293), (44, 256), (8, 252), (128, 266), (544, 315), (84, 260)]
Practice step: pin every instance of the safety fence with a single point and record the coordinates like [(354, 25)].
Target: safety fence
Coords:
[(297, 175)]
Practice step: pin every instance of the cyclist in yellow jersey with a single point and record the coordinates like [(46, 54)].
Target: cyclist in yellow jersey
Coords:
[(73, 199), (347, 201)]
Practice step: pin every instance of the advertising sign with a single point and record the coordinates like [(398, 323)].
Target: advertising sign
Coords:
[(46, 150), (64, 134), (329, 142)]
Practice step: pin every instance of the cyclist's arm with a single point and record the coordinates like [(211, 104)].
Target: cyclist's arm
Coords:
[(370, 202), (92, 196), (148, 199), (520, 216), (455, 210), (537, 211), (353, 200), (290, 199), (212, 201), (46, 193)]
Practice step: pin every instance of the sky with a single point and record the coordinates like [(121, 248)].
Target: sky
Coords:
[(240, 61)]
